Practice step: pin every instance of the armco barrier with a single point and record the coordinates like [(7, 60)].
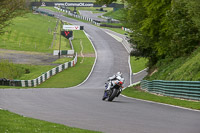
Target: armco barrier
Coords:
[(43, 12), (179, 89), (78, 16), (45, 76)]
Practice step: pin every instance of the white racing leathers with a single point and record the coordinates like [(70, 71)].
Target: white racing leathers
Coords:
[(113, 80)]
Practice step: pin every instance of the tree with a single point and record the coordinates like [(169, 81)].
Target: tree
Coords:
[(10, 9), (163, 28)]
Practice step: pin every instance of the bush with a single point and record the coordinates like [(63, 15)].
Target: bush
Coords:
[(9, 70)]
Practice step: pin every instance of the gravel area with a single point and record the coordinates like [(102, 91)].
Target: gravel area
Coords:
[(25, 57)]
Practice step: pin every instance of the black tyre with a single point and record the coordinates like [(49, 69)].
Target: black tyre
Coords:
[(113, 95)]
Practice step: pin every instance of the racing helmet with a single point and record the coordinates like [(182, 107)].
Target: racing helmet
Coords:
[(119, 74)]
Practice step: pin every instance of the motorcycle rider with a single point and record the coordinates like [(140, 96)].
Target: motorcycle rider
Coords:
[(117, 76)]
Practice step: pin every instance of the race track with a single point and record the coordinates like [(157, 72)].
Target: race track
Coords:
[(82, 106)]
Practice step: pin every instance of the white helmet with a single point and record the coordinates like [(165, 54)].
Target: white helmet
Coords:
[(119, 74)]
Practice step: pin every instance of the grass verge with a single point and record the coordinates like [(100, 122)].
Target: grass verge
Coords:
[(11, 122), (118, 30), (137, 93), (81, 38), (138, 64), (115, 14), (70, 77)]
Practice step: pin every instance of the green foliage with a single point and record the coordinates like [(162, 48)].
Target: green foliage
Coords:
[(180, 69), (164, 28), (138, 64), (9, 70), (119, 14), (10, 9)]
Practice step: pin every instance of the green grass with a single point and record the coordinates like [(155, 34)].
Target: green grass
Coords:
[(77, 74), (180, 69), (65, 45), (115, 14), (35, 71), (62, 60), (10, 70), (137, 93), (118, 30), (137, 64), (72, 76), (33, 32), (78, 37), (14, 123), (114, 24)]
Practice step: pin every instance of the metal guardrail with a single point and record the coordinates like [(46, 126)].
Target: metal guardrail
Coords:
[(35, 82), (179, 89)]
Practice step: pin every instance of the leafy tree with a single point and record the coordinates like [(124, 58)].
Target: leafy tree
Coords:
[(10, 9), (193, 7), (163, 28)]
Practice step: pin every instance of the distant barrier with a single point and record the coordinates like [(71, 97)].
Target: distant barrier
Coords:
[(35, 82), (40, 79), (179, 89), (98, 23), (64, 52), (43, 12), (126, 29)]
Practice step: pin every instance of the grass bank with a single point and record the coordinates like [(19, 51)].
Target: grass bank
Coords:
[(180, 69), (10, 70), (115, 14), (135, 92), (11, 122), (33, 32), (138, 64)]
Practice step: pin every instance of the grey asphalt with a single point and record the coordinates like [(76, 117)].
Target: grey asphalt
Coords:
[(92, 15), (82, 106)]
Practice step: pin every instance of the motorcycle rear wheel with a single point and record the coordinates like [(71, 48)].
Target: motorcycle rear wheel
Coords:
[(113, 95)]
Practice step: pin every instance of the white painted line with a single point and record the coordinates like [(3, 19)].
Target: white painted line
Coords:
[(94, 61), (140, 71), (129, 63), (136, 83), (119, 39), (161, 103)]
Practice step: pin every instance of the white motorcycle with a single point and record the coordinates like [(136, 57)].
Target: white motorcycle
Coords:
[(115, 89)]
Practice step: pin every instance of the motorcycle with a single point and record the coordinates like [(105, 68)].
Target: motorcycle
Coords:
[(114, 91)]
